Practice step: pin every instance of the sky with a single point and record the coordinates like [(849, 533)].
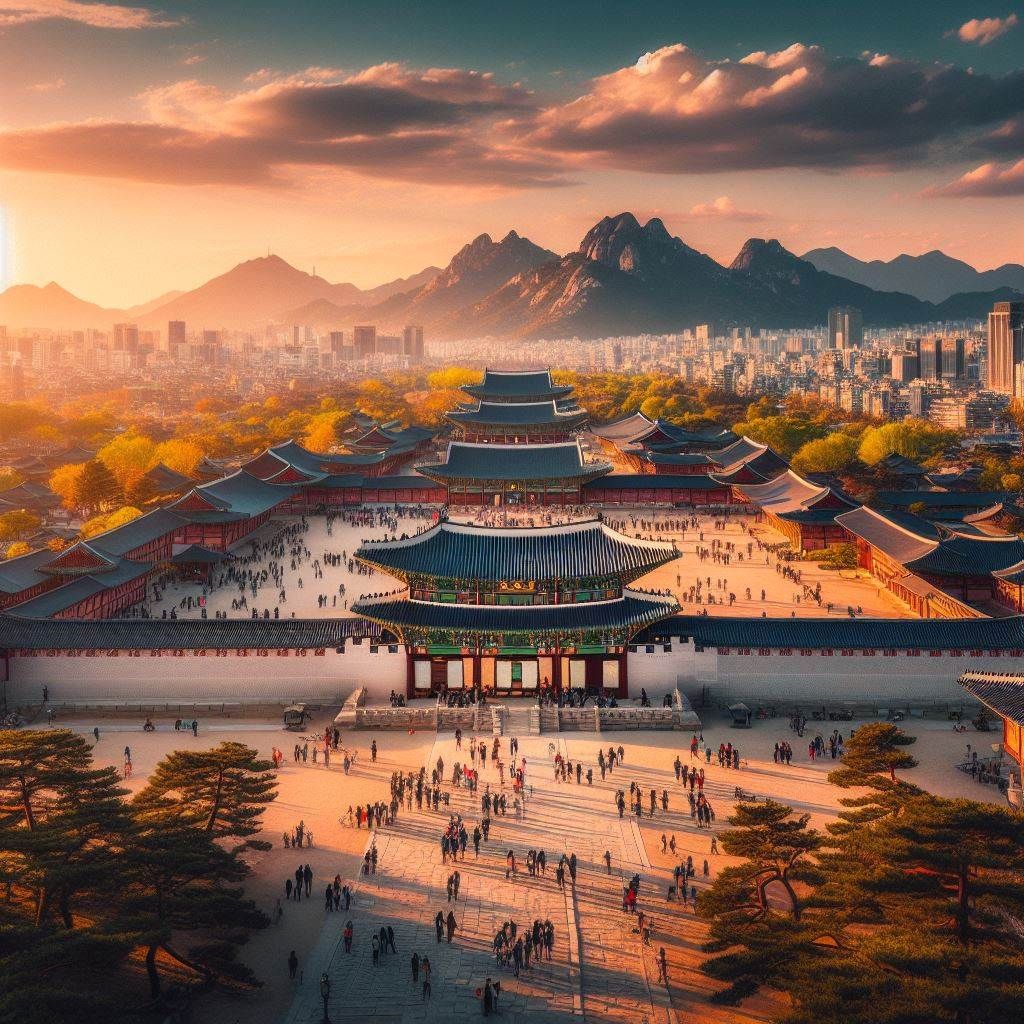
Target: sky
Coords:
[(148, 148)]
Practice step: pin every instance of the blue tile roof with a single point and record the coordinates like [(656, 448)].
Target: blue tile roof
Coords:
[(573, 551), (514, 462)]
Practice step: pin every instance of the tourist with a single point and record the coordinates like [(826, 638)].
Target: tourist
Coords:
[(293, 964)]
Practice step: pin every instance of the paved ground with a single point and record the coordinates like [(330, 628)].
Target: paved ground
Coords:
[(341, 584)]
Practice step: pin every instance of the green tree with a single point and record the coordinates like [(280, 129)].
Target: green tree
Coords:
[(913, 439), (223, 791), (756, 908), (63, 824), (831, 454), (183, 886), (785, 435)]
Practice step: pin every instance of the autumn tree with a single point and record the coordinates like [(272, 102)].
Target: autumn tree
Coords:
[(96, 488), (913, 439), (17, 549), (833, 453), (17, 524), (108, 521)]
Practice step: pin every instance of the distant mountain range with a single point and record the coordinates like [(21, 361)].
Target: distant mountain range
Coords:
[(933, 276), (624, 278)]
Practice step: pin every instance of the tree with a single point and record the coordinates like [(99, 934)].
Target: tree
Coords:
[(65, 482), (325, 430), (17, 549), (108, 521), (755, 910), (15, 525), (913, 439), (128, 457), (62, 820), (180, 455), (96, 487), (50, 974), (224, 791), (785, 435), (831, 454)]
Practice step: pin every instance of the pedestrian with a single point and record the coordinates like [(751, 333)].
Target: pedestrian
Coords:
[(347, 935), (451, 922), (662, 966), (375, 950), (414, 964), (293, 964), (439, 925), (425, 968)]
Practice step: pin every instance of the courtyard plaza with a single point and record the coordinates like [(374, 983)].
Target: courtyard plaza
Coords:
[(319, 577), (600, 970)]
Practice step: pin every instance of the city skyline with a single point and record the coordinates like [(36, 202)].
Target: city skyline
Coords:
[(145, 149)]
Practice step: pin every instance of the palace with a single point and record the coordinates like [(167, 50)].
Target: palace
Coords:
[(517, 582)]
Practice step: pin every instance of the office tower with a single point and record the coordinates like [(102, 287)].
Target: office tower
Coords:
[(365, 339), (336, 344), (412, 343), (126, 347), (177, 339), (953, 360), (906, 366), (845, 327), (1005, 345)]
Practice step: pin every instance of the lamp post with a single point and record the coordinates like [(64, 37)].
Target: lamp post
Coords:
[(325, 994)]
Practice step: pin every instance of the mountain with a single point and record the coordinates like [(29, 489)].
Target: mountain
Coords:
[(807, 293), (134, 312), (270, 289), (27, 305), (932, 275)]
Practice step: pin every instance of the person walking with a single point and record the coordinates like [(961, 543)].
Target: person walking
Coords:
[(439, 925), (347, 936), (414, 965), (293, 964), (425, 968), (452, 924), (662, 966)]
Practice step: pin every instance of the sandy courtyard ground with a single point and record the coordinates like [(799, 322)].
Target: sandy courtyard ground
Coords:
[(308, 596), (600, 966)]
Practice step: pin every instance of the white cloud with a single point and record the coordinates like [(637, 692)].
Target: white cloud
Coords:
[(982, 31)]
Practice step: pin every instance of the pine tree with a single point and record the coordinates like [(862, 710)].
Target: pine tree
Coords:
[(96, 489), (52, 974), (224, 791), (63, 824), (756, 909), (181, 883)]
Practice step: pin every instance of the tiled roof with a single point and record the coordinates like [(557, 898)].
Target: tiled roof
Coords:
[(18, 574), (977, 555), (516, 385), (678, 459), (81, 587), (624, 429), (932, 500), (652, 481), (902, 540), (171, 634), (519, 414), (789, 492), (633, 610), (1003, 694), (514, 462), (573, 551), (240, 495), (924, 634)]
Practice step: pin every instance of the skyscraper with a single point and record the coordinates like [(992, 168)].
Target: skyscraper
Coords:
[(1005, 345), (845, 327), (365, 340), (177, 339), (412, 343)]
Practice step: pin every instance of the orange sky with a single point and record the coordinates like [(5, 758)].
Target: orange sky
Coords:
[(143, 150)]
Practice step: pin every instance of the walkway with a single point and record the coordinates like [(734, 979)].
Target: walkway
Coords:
[(597, 971)]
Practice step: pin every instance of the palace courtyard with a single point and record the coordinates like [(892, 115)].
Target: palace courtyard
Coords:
[(599, 968)]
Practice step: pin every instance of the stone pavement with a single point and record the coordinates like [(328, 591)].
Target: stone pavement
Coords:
[(597, 972)]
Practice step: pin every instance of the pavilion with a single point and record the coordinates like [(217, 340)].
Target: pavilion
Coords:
[(514, 610)]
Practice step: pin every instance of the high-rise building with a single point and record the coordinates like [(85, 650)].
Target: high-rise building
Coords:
[(845, 327), (365, 339), (126, 346), (1005, 345), (412, 343), (336, 343), (177, 338)]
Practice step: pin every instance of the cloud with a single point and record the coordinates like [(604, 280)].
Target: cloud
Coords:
[(53, 85), (991, 180), (675, 111), (97, 15), (982, 31), (387, 121), (723, 208)]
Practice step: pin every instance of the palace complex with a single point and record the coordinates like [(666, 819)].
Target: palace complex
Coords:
[(520, 549)]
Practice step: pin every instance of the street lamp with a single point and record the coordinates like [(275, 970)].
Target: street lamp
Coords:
[(325, 994)]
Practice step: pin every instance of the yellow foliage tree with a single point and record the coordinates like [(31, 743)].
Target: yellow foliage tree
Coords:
[(128, 457), (108, 521), (17, 549), (324, 430), (181, 456), (913, 439), (64, 482)]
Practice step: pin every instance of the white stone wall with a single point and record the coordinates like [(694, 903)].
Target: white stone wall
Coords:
[(877, 678), (225, 676)]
